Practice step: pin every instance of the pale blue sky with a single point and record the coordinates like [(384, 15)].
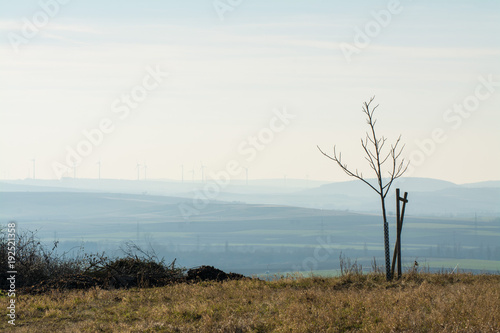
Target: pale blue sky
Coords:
[(226, 77)]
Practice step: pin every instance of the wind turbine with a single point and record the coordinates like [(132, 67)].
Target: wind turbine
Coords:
[(138, 170), (202, 173), (246, 170), (192, 175), (99, 166), (145, 170), (33, 160), (74, 170)]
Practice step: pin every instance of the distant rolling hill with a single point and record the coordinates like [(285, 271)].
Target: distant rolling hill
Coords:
[(79, 206), (354, 188), (428, 197), (86, 205), (482, 184)]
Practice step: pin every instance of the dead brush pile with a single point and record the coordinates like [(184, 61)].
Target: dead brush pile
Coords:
[(41, 270)]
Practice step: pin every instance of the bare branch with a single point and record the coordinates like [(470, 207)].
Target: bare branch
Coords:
[(370, 157), (373, 148), (396, 171), (381, 143), (385, 158), (368, 138), (345, 168)]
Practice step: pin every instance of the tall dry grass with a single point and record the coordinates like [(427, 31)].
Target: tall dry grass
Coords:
[(419, 302)]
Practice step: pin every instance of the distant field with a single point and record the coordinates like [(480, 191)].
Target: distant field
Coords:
[(447, 265), (250, 239)]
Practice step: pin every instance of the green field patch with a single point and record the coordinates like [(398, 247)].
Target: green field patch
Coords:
[(272, 232), (436, 226), (312, 246), (490, 265), (485, 233)]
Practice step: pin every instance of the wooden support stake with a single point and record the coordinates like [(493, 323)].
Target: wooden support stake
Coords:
[(400, 228), (398, 243), (394, 256), (400, 212)]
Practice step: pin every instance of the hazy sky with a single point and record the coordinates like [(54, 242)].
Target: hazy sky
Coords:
[(250, 83)]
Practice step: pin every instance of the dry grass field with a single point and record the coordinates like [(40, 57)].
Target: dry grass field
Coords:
[(420, 302)]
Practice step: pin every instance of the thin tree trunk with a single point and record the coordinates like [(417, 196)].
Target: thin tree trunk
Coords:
[(386, 242)]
